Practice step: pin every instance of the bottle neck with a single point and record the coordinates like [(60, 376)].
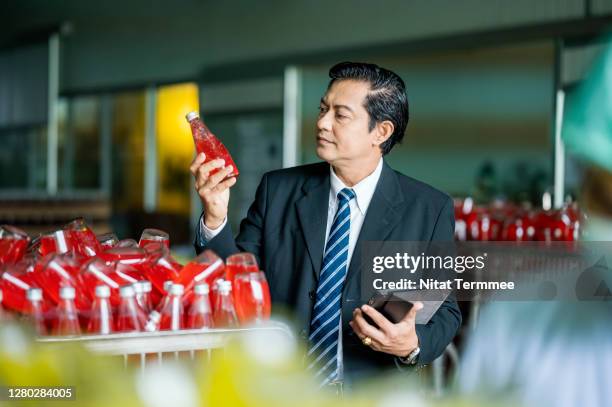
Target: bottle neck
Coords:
[(67, 304)]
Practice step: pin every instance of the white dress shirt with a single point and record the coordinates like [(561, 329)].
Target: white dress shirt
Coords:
[(364, 190)]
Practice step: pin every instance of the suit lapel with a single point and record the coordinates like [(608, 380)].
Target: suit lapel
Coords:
[(312, 214), (382, 216)]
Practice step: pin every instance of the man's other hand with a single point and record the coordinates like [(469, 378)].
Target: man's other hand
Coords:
[(396, 339)]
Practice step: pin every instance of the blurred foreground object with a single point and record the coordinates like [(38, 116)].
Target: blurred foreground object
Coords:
[(588, 129)]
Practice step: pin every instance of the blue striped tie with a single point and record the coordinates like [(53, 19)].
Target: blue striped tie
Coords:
[(325, 322)]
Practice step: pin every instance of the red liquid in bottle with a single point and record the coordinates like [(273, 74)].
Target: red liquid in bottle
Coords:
[(224, 314), (206, 142), (133, 256), (154, 237), (162, 269), (15, 283), (252, 297), (57, 242), (101, 317), (56, 271), (83, 238), (172, 313), (206, 268), (66, 316), (240, 263), (130, 317), (200, 313), (13, 244)]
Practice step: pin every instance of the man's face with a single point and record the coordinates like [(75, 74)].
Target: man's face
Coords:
[(342, 127)]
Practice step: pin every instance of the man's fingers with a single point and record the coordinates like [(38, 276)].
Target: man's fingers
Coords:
[(204, 170), (222, 186), (383, 323), (411, 315), (216, 178), (195, 164), (358, 332), (367, 329)]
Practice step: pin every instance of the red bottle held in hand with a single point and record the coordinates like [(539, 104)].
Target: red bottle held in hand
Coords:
[(206, 142)]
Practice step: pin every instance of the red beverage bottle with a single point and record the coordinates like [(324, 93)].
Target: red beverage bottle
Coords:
[(127, 255), (224, 314), (66, 316), (83, 238), (15, 282), (205, 268), (59, 241), (35, 312), (206, 142), (154, 237), (96, 272), (164, 300), (161, 269), (200, 313), (130, 317), (13, 244), (143, 290), (56, 271), (240, 263), (101, 316), (172, 313), (252, 297)]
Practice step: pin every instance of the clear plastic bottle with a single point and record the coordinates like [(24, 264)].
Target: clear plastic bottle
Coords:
[(224, 313), (35, 310), (66, 316), (130, 317), (172, 313), (200, 314), (101, 316), (206, 142), (166, 297), (143, 295), (152, 324)]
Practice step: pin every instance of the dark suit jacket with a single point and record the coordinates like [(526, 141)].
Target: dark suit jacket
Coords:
[(285, 229)]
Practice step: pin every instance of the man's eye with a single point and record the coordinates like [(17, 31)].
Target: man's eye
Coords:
[(322, 109), (340, 116)]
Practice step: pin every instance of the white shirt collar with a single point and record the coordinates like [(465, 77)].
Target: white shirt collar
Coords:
[(364, 189)]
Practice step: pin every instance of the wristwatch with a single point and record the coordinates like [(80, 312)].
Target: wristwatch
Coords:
[(412, 358)]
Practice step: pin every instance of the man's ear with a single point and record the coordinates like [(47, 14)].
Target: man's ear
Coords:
[(383, 131)]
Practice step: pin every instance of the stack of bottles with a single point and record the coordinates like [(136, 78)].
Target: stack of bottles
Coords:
[(504, 221), (72, 282)]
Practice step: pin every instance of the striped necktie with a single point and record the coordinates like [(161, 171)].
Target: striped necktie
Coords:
[(325, 322)]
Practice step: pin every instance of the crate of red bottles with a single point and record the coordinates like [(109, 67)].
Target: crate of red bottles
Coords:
[(505, 221), (71, 282)]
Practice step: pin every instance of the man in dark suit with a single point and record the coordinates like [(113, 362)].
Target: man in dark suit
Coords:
[(308, 223)]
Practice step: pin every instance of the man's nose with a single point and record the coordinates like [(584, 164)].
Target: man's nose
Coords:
[(324, 122)]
